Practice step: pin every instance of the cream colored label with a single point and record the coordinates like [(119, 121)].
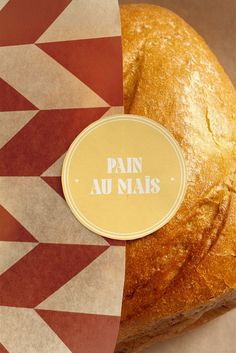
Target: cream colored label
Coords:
[(124, 177)]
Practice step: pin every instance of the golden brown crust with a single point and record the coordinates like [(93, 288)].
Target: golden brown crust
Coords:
[(171, 76)]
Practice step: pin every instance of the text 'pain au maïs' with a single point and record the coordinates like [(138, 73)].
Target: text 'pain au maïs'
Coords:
[(126, 181)]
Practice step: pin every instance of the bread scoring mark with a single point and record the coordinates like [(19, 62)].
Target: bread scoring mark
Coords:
[(201, 248)]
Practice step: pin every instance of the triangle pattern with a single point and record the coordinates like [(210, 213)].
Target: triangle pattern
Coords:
[(48, 85), (11, 252), (114, 111), (55, 184), (115, 242), (24, 331), (12, 122), (3, 349), (56, 168), (43, 271), (11, 229), (96, 62), (73, 330), (44, 139), (24, 21), (12, 100), (92, 291), (86, 23), (43, 212), (3, 3)]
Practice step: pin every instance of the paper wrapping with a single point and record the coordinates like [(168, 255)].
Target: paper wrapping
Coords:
[(60, 69)]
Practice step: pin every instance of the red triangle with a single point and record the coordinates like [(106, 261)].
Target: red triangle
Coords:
[(25, 20), (44, 139), (11, 229), (3, 349), (42, 271), (97, 62), (84, 332), (12, 100), (55, 183)]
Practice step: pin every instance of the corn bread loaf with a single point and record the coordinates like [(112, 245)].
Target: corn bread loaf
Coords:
[(185, 273)]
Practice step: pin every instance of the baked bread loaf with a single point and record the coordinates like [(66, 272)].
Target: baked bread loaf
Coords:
[(185, 273)]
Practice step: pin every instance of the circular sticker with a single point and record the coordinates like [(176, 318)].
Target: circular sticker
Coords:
[(124, 177)]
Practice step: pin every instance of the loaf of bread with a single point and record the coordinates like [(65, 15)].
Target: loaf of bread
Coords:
[(185, 273)]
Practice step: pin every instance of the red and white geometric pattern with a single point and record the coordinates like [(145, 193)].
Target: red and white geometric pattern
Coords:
[(60, 70)]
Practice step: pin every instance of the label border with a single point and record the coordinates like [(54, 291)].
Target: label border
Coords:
[(123, 235)]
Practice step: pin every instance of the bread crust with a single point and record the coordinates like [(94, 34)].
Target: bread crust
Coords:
[(171, 76)]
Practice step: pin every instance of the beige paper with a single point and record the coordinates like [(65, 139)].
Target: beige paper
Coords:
[(60, 70), (218, 336)]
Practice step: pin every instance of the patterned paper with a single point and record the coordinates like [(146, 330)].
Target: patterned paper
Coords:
[(60, 69)]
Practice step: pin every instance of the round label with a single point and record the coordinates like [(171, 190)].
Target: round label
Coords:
[(124, 177)]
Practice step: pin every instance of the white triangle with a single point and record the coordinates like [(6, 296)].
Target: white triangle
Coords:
[(56, 168), (85, 19), (93, 290), (11, 252), (12, 122), (24, 331), (114, 111), (3, 3)]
